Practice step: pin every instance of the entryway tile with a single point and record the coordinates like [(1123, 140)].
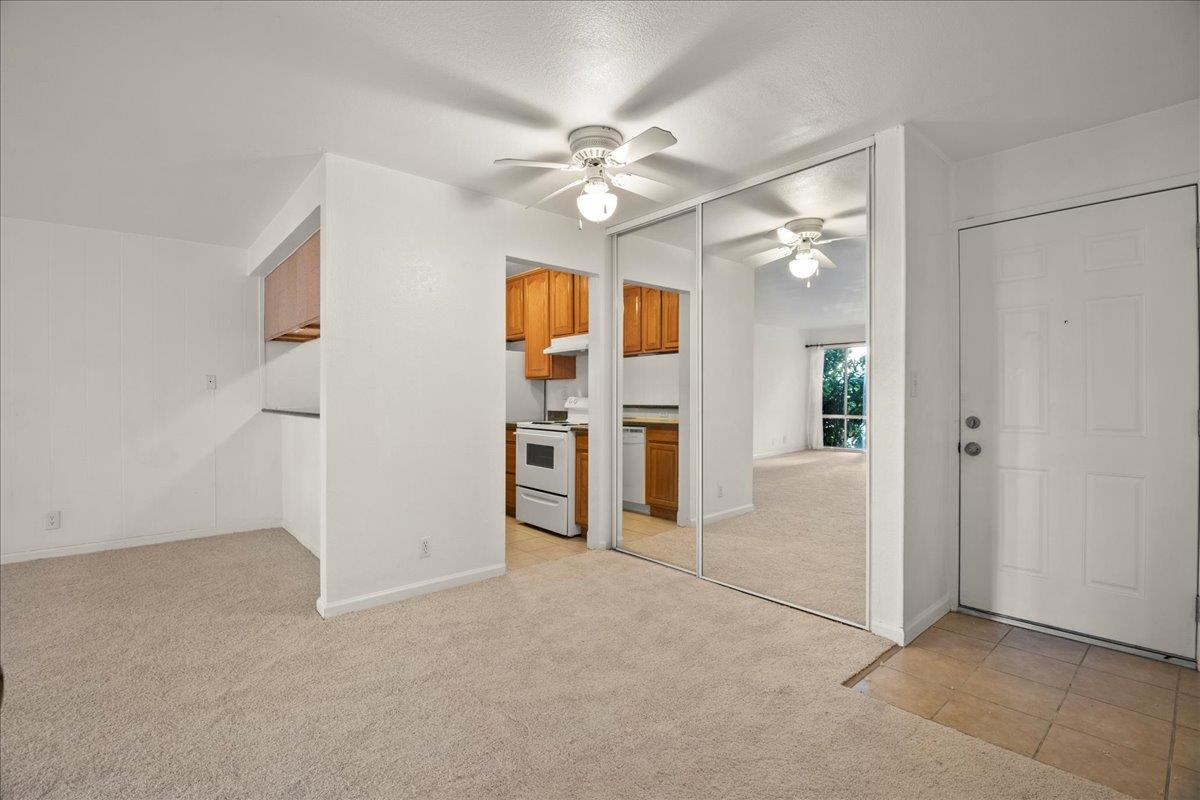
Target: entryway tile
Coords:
[(931, 666), (954, 645), (1020, 694), (1111, 764), (1132, 667), (1118, 725), (1031, 666), (993, 723), (904, 691), (978, 627), (1189, 682), (1045, 645), (1133, 695)]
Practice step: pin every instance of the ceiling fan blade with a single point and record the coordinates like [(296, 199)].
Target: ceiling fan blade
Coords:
[(842, 238), (646, 143), (767, 257), (647, 187), (570, 185), (823, 259), (520, 162)]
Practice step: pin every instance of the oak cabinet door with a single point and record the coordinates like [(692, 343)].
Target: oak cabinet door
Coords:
[(581, 303), (562, 304), (662, 475), (652, 340), (632, 328), (538, 365), (670, 320), (581, 488), (308, 281), (514, 308)]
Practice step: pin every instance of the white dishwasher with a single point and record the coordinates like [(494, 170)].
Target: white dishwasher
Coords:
[(633, 469)]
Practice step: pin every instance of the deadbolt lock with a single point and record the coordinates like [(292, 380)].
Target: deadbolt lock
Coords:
[(973, 422)]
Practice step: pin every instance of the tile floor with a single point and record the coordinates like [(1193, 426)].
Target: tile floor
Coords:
[(635, 527), (1117, 719), (526, 545)]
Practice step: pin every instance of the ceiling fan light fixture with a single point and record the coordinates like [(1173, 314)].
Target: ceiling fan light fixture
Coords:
[(596, 203), (803, 266)]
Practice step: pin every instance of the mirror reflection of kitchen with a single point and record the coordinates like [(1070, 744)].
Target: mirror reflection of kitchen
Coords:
[(656, 265), (546, 412)]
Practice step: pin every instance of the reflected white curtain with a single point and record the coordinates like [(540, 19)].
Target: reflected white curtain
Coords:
[(816, 372)]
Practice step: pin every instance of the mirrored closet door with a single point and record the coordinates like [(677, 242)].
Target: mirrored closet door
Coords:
[(656, 268), (785, 383)]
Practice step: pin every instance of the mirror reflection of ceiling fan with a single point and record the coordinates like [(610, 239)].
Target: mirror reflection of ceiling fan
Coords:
[(799, 239), (601, 153)]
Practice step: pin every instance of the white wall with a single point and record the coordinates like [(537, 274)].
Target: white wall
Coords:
[(931, 413), (650, 380), (300, 462), (292, 375), (412, 313), (105, 342), (1129, 152), (780, 390)]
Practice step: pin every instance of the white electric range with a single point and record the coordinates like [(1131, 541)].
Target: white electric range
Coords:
[(546, 470)]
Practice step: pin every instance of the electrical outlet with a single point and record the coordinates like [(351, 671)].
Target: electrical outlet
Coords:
[(720, 490), (211, 382), (53, 520), (425, 548)]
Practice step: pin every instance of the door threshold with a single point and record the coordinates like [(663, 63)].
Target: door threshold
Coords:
[(1063, 633)]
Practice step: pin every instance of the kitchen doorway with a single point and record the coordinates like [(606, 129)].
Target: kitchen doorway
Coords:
[(1080, 462)]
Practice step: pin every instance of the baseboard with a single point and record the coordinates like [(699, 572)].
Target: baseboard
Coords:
[(315, 549), (327, 610), (782, 452), (926, 619), (890, 632), (726, 514), (137, 541)]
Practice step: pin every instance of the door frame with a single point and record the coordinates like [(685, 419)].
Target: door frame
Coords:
[(1188, 180), (696, 317)]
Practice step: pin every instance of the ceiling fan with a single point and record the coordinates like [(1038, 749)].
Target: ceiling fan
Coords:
[(601, 153), (798, 239)]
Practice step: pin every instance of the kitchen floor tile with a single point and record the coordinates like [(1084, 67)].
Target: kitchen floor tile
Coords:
[(1187, 710), (1111, 764), (904, 691), (1133, 695), (993, 723), (954, 645), (1186, 752), (1132, 667), (926, 664), (532, 544), (1189, 682), (1010, 691), (1111, 723), (1046, 645), (1185, 783), (1032, 666), (978, 627)]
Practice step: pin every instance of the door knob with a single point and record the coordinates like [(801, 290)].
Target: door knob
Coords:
[(973, 448)]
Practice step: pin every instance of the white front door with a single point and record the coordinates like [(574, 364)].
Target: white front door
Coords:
[(1080, 359)]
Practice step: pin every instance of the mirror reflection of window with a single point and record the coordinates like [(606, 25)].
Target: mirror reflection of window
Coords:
[(785, 388)]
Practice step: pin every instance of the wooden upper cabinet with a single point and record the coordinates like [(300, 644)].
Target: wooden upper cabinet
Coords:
[(562, 304), (632, 327), (581, 304), (292, 295), (652, 338), (670, 320), (538, 365), (514, 308)]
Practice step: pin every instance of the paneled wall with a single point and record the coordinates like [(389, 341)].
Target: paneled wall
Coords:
[(106, 340)]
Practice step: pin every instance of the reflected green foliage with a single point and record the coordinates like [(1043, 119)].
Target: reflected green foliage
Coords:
[(856, 383), (856, 434), (835, 432), (844, 394)]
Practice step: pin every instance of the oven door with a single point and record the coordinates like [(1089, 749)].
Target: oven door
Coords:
[(542, 460)]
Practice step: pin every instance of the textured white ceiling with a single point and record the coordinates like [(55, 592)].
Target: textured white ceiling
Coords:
[(196, 120)]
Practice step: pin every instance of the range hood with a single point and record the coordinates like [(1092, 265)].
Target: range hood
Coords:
[(567, 345)]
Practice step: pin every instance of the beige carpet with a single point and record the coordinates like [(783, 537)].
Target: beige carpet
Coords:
[(805, 542), (200, 670)]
